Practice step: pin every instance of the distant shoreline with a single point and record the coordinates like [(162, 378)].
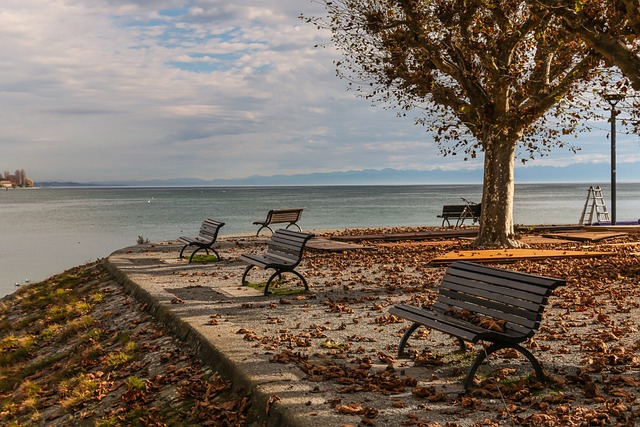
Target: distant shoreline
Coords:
[(69, 185)]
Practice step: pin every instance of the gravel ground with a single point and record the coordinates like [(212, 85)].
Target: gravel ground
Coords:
[(335, 346)]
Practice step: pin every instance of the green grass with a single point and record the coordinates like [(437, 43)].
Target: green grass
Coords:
[(205, 258), (77, 390), (136, 383), (274, 289), (118, 359)]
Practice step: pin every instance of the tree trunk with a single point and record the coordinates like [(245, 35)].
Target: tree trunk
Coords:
[(496, 218)]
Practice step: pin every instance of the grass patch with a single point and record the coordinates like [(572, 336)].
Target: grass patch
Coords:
[(77, 390), (38, 365), (15, 349), (109, 422), (118, 359), (136, 383), (275, 289), (205, 258)]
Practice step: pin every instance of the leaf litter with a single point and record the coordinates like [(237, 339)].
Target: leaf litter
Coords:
[(588, 343)]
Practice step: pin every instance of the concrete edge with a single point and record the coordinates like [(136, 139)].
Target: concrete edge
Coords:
[(278, 416)]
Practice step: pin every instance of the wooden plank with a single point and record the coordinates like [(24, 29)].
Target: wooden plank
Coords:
[(548, 228), (536, 239), (335, 246), (586, 236), (502, 255), (419, 243), (420, 235), (625, 228)]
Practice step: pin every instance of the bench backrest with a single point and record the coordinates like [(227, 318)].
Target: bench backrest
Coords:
[(283, 215), (476, 209), (209, 229), (453, 210), (288, 245), (518, 298)]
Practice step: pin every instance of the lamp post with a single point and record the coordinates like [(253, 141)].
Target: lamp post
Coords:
[(613, 99)]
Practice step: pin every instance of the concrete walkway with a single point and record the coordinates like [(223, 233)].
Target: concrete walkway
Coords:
[(204, 306)]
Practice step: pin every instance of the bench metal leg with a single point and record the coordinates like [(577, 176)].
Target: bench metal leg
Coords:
[(401, 353), (495, 347), (264, 226), (278, 274), (183, 248), (244, 276), (293, 223)]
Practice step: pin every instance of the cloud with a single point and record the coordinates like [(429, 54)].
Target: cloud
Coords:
[(120, 89)]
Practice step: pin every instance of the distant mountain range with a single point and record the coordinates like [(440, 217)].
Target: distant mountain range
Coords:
[(589, 173)]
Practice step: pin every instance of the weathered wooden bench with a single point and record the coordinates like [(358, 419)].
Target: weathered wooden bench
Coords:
[(204, 240), (460, 213), (480, 303), (284, 253), (280, 216)]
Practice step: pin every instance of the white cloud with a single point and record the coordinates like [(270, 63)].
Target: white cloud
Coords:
[(121, 89)]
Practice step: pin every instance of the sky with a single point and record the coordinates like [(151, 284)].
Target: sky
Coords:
[(98, 90)]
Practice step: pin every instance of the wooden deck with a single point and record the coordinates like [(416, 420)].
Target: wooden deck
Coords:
[(419, 235), (586, 236), (334, 246), (508, 255)]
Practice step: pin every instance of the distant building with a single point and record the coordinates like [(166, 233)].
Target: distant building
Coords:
[(18, 179)]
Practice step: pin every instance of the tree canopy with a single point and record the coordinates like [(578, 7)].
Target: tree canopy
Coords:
[(611, 27), (491, 76)]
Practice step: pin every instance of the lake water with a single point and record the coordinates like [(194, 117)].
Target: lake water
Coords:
[(47, 230)]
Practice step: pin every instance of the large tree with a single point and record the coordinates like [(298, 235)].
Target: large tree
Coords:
[(611, 27), (489, 75)]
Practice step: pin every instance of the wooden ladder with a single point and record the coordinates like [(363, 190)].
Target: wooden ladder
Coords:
[(594, 203)]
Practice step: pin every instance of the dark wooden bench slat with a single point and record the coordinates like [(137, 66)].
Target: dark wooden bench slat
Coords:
[(524, 301), (510, 279), (490, 309), (517, 327), (460, 213), (454, 326), (486, 292), (283, 254), (497, 302)]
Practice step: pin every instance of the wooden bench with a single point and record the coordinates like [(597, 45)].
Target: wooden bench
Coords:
[(460, 213), (283, 255), (480, 303), (204, 240), (280, 216)]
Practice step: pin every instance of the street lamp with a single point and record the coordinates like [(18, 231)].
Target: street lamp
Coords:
[(613, 99)]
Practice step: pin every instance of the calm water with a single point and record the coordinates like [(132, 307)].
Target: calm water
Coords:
[(45, 231)]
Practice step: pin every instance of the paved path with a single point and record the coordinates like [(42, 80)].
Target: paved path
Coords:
[(204, 305)]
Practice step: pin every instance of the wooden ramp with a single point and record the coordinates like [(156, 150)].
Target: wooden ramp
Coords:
[(620, 228), (420, 243), (419, 235), (507, 255), (319, 244), (536, 239), (586, 236)]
